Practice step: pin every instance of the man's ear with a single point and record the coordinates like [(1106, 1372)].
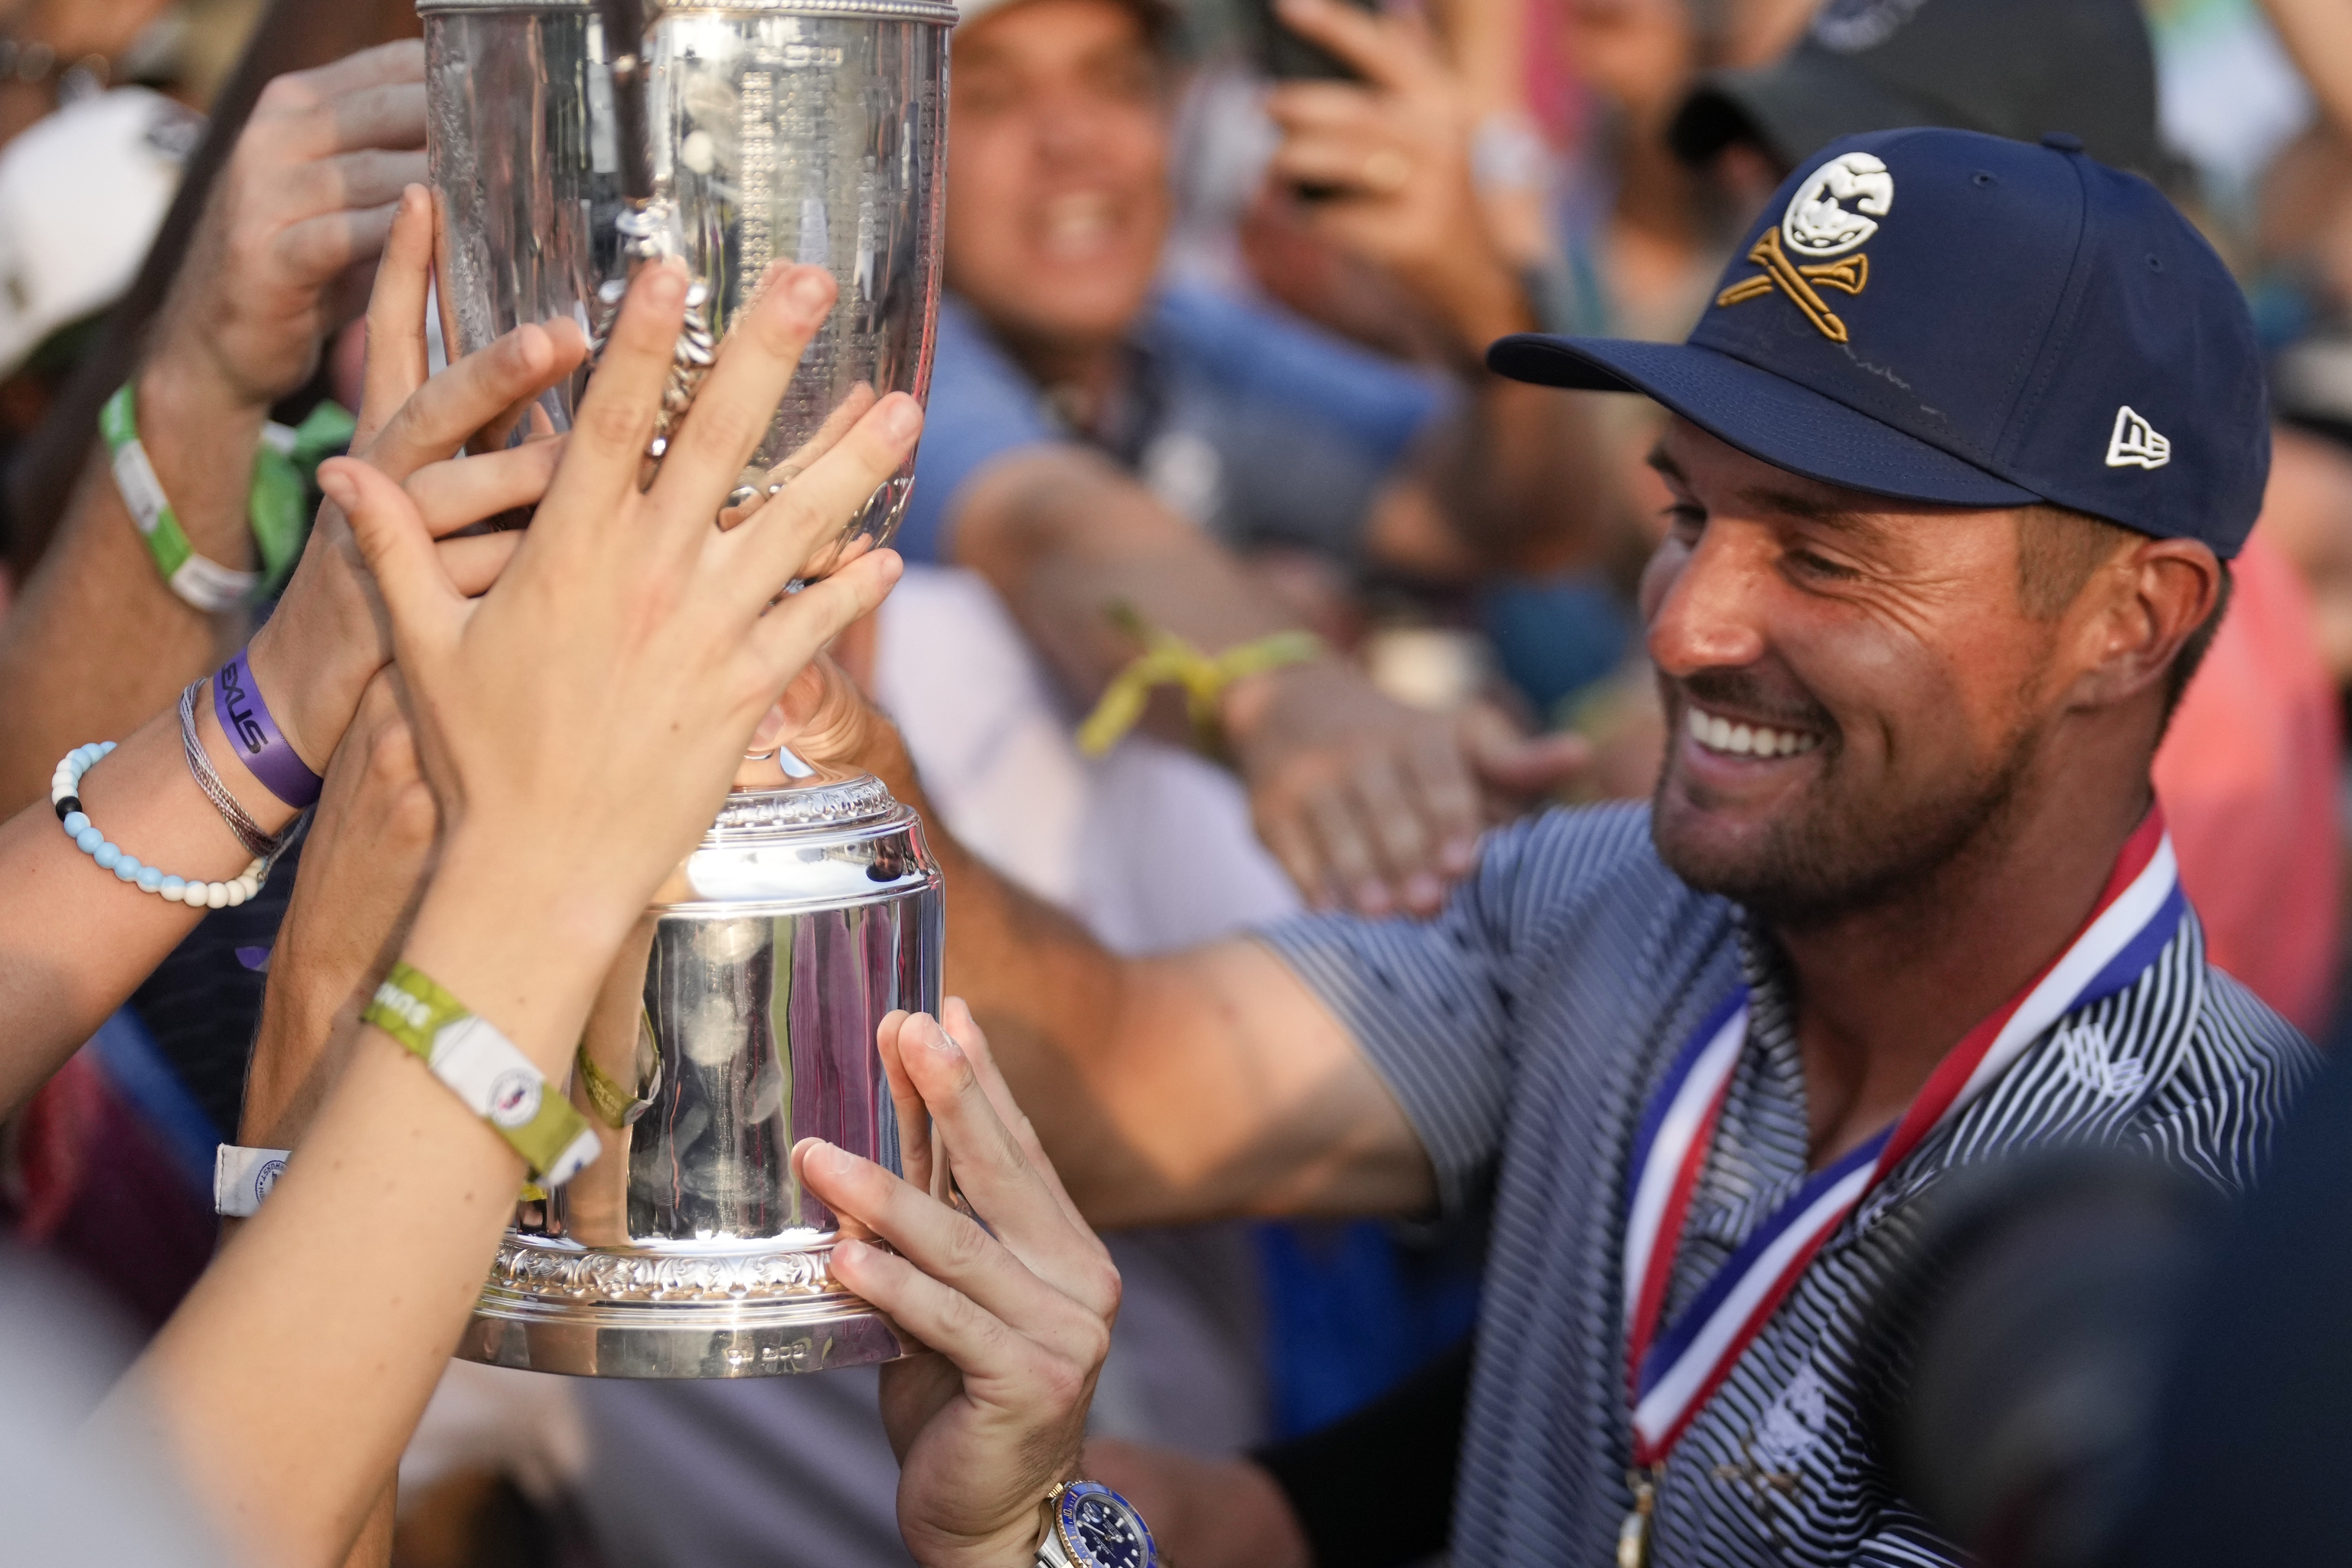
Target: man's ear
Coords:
[(2132, 618)]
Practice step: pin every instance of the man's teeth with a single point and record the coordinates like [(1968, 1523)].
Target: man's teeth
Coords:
[(1717, 733)]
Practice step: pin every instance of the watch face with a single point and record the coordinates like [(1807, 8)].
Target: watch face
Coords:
[(1102, 1530)]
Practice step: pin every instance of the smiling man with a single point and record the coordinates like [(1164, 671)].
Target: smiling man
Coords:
[(1960, 456)]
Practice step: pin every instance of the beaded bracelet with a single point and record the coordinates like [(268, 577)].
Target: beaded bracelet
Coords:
[(64, 787)]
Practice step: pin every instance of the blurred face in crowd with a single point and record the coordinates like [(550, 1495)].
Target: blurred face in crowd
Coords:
[(1057, 170), (1854, 687)]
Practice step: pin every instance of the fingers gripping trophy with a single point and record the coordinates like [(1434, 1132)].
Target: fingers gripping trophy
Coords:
[(571, 144)]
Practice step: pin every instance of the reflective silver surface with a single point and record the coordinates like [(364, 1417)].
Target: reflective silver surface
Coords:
[(805, 131), (740, 1019)]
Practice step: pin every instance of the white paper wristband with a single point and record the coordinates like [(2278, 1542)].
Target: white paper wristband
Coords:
[(500, 1084), (242, 1177)]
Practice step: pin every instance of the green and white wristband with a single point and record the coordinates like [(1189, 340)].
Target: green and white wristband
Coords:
[(201, 580), (496, 1081)]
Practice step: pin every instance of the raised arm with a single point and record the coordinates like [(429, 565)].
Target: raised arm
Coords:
[(2318, 35), (1189, 1087), (578, 724), (1508, 482), (310, 663), (1367, 803), (98, 641)]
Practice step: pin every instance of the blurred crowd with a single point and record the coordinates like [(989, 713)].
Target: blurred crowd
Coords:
[(1209, 375)]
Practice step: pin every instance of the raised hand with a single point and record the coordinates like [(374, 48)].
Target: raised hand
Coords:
[(608, 681), (1394, 153), (577, 723), (1018, 1314), (330, 635), (1373, 805), (306, 199)]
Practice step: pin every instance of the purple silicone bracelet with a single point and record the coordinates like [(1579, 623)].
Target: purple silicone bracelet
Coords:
[(265, 751)]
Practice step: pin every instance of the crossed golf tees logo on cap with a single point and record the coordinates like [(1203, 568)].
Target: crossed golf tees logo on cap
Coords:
[(1817, 226)]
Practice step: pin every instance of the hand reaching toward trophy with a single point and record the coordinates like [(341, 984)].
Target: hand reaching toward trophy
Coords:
[(662, 701), (1017, 1303), (578, 720), (330, 635), (310, 662)]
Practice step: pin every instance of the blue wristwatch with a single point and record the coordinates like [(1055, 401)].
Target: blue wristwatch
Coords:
[(1087, 1525)]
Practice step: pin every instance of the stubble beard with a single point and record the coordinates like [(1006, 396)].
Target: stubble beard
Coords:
[(1842, 852)]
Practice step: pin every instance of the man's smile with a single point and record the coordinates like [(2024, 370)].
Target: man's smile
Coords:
[(1735, 737)]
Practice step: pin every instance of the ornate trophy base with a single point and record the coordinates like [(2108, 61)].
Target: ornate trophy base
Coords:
[(552, 1307), (738, 1020)]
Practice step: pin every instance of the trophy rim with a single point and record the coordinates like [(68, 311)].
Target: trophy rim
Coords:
[(825, 802), (696, 1344)]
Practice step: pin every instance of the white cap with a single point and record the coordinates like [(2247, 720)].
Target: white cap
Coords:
[(82, 193)]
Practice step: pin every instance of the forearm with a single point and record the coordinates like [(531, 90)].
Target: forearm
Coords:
[(1194, 1086), (1064, 537), (97, 640), (288, 1431), (76, 940), (309, 1030), (1006, 952)]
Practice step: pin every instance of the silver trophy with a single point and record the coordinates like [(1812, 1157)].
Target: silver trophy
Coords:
[(571, 143)]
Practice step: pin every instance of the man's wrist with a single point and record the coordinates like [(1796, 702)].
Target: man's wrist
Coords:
[(200, 433), (1245, 706)]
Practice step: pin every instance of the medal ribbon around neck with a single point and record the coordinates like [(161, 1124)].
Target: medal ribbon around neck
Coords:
[(1672, 1371)]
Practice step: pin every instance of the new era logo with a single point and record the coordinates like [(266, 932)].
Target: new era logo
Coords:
[(2136, 443)]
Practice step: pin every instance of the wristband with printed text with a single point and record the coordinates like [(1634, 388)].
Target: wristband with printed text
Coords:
[(488, 1072), (242, 1177), (260, 744)]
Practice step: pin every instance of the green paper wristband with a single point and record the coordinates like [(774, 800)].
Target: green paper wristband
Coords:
[(494, 1080), (202, 581)]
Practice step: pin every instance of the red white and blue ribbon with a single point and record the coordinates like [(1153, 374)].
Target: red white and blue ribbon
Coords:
[(1673, 1370)]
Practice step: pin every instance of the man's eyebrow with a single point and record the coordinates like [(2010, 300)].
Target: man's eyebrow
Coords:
[(1786, 503), (1809, 509)]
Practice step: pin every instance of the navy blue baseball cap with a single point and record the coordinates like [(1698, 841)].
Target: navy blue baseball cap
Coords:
[(1944, 316)]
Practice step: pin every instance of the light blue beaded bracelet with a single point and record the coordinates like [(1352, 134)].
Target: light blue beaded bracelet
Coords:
[(65, 795)]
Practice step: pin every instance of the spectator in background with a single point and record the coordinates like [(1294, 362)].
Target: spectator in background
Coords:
[(115, 88), (1065, 376)]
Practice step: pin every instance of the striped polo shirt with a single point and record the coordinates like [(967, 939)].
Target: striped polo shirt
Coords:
[(1524, 1030)]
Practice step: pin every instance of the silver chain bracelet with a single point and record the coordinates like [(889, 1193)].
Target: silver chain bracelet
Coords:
[(258, 844)]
